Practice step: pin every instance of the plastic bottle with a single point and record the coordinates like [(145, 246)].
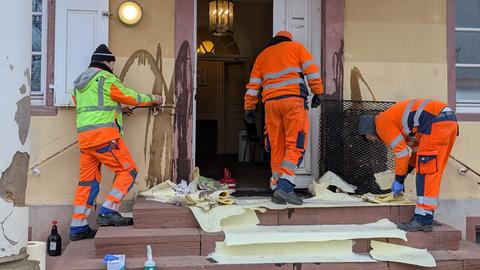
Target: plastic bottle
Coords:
[(149, 263), (54, 242)]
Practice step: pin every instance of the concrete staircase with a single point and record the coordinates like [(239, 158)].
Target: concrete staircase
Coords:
[(179, 243)]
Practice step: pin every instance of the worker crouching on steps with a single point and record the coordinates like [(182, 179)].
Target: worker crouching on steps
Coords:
[(429, 129), (281, 72), (98, 95)]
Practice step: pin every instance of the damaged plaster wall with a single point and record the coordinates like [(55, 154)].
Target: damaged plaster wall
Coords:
[(15, 61), (400, 49)]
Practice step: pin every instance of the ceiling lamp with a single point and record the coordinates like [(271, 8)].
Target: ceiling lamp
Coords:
[(130, 13), (220, 17)]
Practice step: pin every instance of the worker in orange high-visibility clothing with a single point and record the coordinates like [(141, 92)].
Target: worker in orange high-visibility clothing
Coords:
[(280, 73), (429, 129), (98, 95)]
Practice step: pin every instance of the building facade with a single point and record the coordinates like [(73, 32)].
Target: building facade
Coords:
[(384, 50)]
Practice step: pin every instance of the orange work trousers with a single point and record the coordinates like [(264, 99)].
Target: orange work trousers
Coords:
[(287, 126), (432, 156), (115, 156)]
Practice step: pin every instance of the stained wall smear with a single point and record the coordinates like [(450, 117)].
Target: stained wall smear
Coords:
[(149, 69), (182, 161), (160, 145), (400, 49)]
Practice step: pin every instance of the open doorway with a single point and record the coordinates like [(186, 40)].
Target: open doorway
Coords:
[(223, 70)]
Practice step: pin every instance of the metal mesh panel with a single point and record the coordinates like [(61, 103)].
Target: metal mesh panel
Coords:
[(348, 154)]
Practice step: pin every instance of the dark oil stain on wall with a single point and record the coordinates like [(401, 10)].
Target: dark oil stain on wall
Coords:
[(184, 113), (171, 135), (355, 79)]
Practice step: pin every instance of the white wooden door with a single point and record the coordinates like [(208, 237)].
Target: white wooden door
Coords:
[(302, 19), (80, 26)]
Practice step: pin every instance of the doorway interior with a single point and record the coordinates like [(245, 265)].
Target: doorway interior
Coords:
[(223, 70)]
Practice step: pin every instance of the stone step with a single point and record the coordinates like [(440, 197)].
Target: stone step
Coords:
[(195, 242), (80, 255), (442, 238), (150, 214), (133, 242)]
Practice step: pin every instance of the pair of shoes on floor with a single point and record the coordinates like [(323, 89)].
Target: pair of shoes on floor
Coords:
[(109, 219), (283, 197)]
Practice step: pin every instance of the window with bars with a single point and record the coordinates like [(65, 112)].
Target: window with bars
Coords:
[(467, 49), (39, 51)]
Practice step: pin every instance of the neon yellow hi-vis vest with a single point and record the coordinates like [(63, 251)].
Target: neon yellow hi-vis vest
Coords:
[(97, 111)]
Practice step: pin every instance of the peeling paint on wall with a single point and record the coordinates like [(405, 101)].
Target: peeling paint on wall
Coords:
[(22, 89), (14, 158), (22, 117), (2, 228), (14, 180), (29, 77)]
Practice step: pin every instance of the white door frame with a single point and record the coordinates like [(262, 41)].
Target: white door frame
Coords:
[(312, 24), (303, 19)]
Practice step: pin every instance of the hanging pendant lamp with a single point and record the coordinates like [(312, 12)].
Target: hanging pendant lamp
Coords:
[(221, 17)]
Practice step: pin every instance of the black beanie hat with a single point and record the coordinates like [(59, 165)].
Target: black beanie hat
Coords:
[(102, 53)]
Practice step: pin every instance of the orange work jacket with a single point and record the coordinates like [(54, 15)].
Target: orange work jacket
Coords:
[(280, 71), (403, 124)]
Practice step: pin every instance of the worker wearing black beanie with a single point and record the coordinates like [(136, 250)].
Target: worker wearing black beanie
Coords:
[(98, 95), (102, 53)]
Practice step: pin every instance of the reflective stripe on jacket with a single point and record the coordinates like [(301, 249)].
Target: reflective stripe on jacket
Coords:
[(281, 71), (98, 95), (403, 124)]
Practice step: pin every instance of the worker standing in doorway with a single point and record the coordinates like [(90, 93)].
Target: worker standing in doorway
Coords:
[(98, 95), (429, 128), (281, 72)]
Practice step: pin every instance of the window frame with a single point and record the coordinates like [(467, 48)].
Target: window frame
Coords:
[(46, 108), (452, 61), (39, 98)]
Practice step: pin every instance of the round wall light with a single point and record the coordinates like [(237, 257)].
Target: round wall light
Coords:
[(130, 13)]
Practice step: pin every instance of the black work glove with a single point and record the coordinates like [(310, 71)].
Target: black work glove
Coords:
[(410, 169), (316, 100), (401, 179), (249, 116)]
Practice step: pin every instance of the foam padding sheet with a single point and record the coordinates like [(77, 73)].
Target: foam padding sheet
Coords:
[(395, 253), (311, 233), (298, 252), (224, 215)]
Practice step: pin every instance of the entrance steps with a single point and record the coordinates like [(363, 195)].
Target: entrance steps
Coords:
[(195, 242), (81, 256), (150, 214), (179, 243)]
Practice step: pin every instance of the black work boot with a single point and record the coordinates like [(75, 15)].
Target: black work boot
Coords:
[(282, 197), (278, 200), (284, 193), (418, 223), (88, 234), (113, 219)]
